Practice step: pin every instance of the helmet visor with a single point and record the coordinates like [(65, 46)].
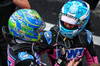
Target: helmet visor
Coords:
[(71, 21), (41, 27), (68, 20)]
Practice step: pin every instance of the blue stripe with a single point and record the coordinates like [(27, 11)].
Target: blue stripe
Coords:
[(18, 24), (14, 32), (19, 12)]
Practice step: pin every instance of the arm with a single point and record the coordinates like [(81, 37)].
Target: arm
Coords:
[(22, 3), (95, 64), (42, 45), (90, 52), (45, 42)]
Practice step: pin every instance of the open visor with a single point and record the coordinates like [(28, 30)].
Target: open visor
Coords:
[(71, 20), (41, 27)]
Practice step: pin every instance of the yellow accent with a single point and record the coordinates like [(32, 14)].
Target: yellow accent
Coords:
[(64, 39)]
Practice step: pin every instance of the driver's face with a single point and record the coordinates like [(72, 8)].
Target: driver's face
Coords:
[(68, 26), (69, 22)]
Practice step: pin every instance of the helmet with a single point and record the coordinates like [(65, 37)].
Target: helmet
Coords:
[(26, 24), (75, 13)]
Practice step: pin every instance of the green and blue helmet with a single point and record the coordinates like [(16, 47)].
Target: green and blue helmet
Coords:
[(26, 24)]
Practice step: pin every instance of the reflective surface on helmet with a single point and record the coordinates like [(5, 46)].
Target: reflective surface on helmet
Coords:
[(41, 27), (73, 18), (22, 23)]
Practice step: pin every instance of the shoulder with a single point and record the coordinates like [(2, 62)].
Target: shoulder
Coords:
[(87, 35), (27, 59), (48, 36), (51, 34)]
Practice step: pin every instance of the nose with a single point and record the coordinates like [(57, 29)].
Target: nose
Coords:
[(67, 25)]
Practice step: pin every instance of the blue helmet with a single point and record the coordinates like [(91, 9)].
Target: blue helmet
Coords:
[(75, 13)]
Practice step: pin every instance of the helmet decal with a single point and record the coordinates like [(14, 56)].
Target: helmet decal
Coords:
[(23, 23), (75, 13)]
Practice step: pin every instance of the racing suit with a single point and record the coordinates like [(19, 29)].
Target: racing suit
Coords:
[(19, 52), (17, 56), (79, 46)]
